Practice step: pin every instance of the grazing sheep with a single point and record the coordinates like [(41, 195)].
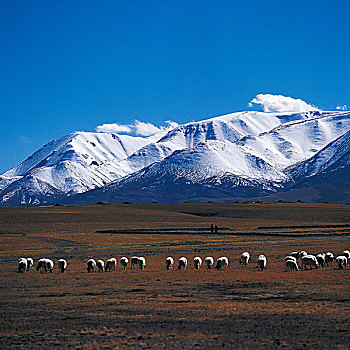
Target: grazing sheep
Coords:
[(182, 263), (294, 255), (49, 265), (111, 264), (321, 259), (101, 265), (309, 260), (342, 261), (197, 262), (22, 265), (302, 253), (292, 265), (169, 262), (289, 257), (329, 258), (30, 263), (346, 253), (91, 264), (141, 263), (62, 265), (209, 262), (261, 261), (124, 262), (244, 258), (134, 261), (45, 265), (40, 265), (221, 262)]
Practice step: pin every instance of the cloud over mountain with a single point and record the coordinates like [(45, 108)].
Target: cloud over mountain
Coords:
[(281, 104), (137, 128)]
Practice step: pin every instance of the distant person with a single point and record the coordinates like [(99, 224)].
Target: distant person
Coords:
[(212, 228), (216, 228)]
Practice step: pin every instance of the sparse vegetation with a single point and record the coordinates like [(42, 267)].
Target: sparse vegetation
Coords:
[(158, 308)]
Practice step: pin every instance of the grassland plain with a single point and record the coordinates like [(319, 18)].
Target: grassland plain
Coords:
[(235, 308)]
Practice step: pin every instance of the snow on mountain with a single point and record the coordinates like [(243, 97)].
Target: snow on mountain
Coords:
[(212, 165), (297, 140), (335, 155), (239, 154), (6, 181), (78, 162), (231, 127), (29, 191)]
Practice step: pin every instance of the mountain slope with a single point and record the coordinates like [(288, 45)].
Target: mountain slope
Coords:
[(298, 140), (239, 155), (335, 155), (211, 170), (30, 191), (323, 178), (77, 162), (230, 127)]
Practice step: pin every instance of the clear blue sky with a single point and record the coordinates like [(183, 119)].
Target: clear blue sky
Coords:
[(67, 66)]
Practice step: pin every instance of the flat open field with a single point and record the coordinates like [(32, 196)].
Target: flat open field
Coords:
[(236, 308)]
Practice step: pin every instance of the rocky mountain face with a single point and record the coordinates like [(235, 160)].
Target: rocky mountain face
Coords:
[(240, 156)]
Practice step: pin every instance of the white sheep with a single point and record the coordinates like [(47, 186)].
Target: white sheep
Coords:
[(221, 262), (302, 253), (346, 253), (321, 259), (30, 263), (244, 258), (261, 262), (209, 262), (45, 265), (169, 262), (197, 262), (329, 258), (289, 257), (22, 265), (49, 265), (309, 260), (62, 265), (342, 261), (292, 265), (101, 265), (294, 255), (40, 265), (182, 263), (134, 261), (111, 264), (124, 262), (91, 264), (141, 263)]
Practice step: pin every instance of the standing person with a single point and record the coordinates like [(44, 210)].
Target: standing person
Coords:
[(216, 228), (212, 228)]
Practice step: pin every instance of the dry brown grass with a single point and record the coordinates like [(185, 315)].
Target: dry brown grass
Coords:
[(238, 307)]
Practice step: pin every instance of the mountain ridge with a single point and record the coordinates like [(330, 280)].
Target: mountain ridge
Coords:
[(239, 155)]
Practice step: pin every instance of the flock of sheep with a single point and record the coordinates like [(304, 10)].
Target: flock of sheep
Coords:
[(316, 261), (291, 262)]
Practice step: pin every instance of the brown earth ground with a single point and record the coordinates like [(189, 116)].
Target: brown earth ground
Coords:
[(236, 308)]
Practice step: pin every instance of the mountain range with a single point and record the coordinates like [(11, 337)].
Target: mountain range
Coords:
[(245, 156)]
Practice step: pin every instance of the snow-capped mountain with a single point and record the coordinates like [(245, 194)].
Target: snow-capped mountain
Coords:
[(71, 164), (239, 155), (335, 155)]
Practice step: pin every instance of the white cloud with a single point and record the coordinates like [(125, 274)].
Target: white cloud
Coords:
[(138, 128), (145, 129), (280, 104), (114, 128), (342, 108)]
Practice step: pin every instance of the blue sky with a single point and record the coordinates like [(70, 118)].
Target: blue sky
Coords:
[(68, 66)]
